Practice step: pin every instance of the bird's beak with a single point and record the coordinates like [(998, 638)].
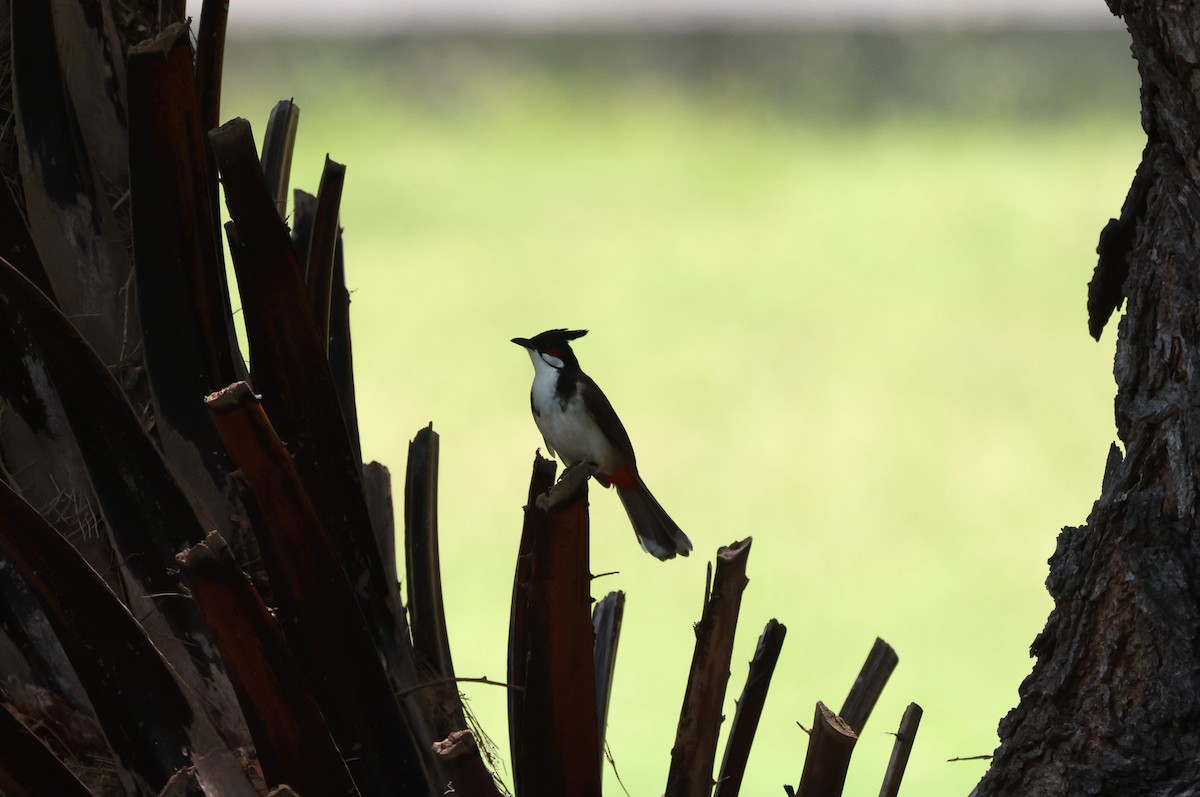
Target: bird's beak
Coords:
[(526, 342)]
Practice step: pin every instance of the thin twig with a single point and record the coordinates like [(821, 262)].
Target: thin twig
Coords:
[(440, 681)]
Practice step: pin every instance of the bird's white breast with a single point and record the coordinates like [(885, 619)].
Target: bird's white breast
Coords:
[(569, 431)]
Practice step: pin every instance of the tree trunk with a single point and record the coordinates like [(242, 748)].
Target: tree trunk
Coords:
[(1113, 704)]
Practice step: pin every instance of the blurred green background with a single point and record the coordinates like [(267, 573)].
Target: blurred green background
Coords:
[(835, 283)]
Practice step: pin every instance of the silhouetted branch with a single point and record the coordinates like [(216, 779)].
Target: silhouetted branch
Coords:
[(868, 686), (291, 372), (829, 748), (695, 750), (278, 144), (323, 243), (606, 624), (317, 608), (27, 768), (749, 709), (290, 736), (426, 613), (210, 62), (556, 751), (147, 715), (901, 750)]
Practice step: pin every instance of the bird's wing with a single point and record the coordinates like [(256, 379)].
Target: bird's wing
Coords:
[(602, 412)]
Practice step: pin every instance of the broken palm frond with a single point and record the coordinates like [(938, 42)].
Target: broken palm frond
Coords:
[(830, 745), (69, 216), (278, 144), (118, 680), (28, 768), (555, 727), (322, 246), (149, 514), (147, 714), (426, 613), (290, 736), (210, 61), (182, 292), (868, 686), (291, 372), (462, 762), (182, 296), (695, 750), (606, 624), (901, 750), (518, 624), (749, 709), (317, 607)]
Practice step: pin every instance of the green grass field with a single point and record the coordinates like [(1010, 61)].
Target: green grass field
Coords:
[(858, 336)]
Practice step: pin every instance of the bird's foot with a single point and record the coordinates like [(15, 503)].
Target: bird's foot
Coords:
[(572, 479)]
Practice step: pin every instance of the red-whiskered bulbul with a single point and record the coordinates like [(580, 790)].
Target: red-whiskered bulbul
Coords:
[(580, 426)]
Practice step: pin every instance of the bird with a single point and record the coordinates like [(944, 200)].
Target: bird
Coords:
[(580, 427)]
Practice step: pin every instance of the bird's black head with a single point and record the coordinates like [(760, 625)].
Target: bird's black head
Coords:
[(553, 345)]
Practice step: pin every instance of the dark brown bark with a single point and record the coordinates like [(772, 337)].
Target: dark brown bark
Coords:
[(322, 245), (182, 297), (906, 735), (290, 370), (749, 709), (830, 745), (145, 507), (317, 608), (27, 768), (695, 750), (148, 716), (607, 615), (426, 611), (1112, 706), (460, 759), (291, 739), (518, 626), (554, 752), (868, 686)]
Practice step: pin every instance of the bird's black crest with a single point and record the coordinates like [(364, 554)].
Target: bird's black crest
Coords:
[(556, 337)]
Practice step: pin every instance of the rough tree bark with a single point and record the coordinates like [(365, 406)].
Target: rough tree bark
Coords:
[(1112, 706)]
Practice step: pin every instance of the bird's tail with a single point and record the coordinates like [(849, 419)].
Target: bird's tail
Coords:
[(657, 533)]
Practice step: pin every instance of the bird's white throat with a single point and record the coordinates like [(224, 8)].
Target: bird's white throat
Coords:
[(545, 379)]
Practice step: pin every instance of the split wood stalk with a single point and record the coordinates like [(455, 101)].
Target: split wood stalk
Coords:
[(606, 624), (695, 750), (278, 144), (182, 292), (28, 768), (149, 514), (868, 686), (290, 736), (323, 243), (147, 714), (830, 744), (66, 208), (556, 724), (426, 612), (291, 372), (461, 761), (317, 607), (540, 482), (901, 750), (749, 709)]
